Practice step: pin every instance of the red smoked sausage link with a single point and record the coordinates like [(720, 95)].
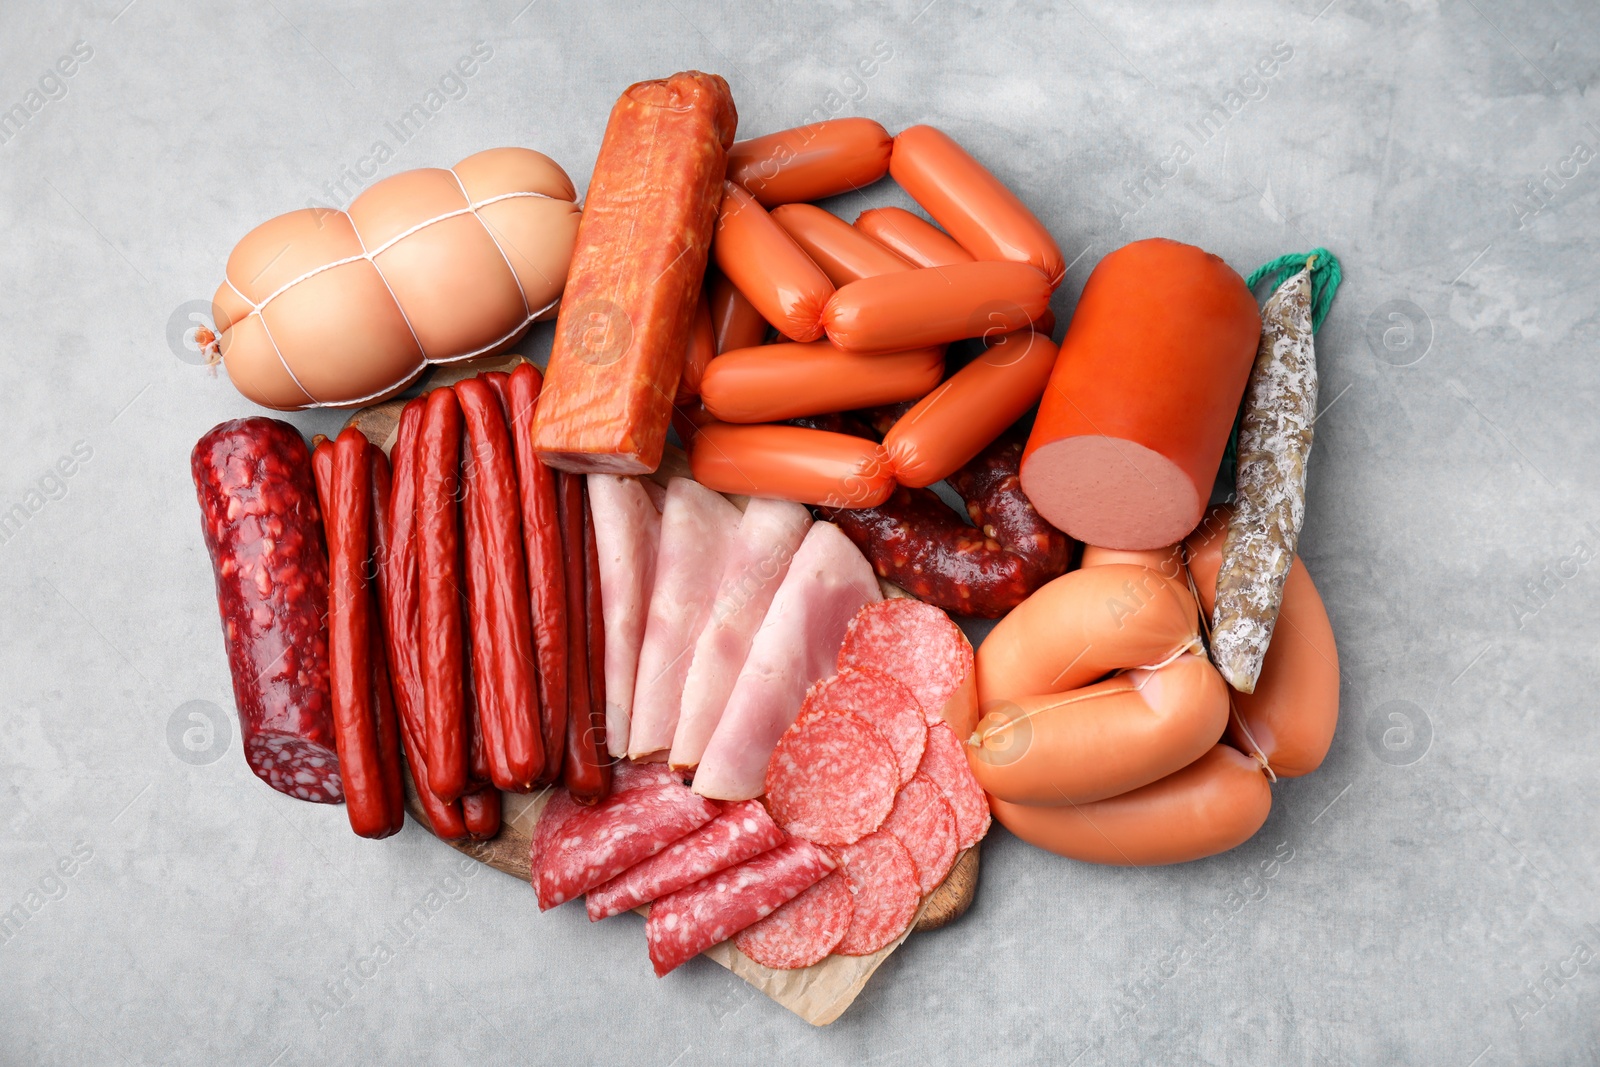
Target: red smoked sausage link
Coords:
[(394, 514), (1138, 409), (792, 463), (262, 525), (439, 580), (581, 769), (350, 643), (769, 267), (811, 162), (636, 273), (509, 624), (784, 381), (935, 306), (911, 237), (971, 204), (541, 538)]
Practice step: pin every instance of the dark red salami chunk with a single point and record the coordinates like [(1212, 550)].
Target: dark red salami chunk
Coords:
[(803, 931), (258, 509), (880, 702), (744, 829), (883, 884), (599, 843), (924, 822), (686, 923), (914, 643), (831, 779), (945, 761)]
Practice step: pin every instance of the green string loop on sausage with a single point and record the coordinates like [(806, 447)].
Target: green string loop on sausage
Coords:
[(1326, 275)]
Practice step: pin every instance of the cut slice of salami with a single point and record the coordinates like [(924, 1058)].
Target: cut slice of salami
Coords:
[(597, 844), (558, 811), (882, 703), (945, 761), (686, 923), (832, 778), (883, 884), (743, 830), (803, 931), (914, 643), (924, 822), (627, 775)]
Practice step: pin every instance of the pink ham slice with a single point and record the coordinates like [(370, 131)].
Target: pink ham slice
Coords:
[(828, 582), (697, 528), (627, 527), (768, 537)]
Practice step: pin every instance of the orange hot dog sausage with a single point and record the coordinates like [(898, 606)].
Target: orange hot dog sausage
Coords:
[(702, 347), (811, 162), (1082, 625), (1217, 802), (972, 407), (734, 320), (768, 267), (792, 463), (1167, 562), (911, 237), (771, 383), (934, 306), (971, 204), (1102, 740), (1291, 717), (844, 253), (1138, 409)]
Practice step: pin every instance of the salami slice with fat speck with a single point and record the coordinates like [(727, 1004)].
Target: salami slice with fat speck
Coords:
[(557, 811), (803, 931), (882, 703), (883, 884), (924, 822), (597, 844), (743, 830), (627, 775), (832, 778), (945, 761), (916, 644), (686, 923)]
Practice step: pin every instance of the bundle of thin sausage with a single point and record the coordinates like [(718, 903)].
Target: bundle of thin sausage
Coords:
[(454, 614), (867, 799)]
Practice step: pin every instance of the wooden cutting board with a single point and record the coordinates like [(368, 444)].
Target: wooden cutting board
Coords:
[(818, 994)]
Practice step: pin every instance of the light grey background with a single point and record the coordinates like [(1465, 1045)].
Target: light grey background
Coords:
[(1439, 867)]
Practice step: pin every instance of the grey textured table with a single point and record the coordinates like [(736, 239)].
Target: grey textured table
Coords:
[(1427, 897)]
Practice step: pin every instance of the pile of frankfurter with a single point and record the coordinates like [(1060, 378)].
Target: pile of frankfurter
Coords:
[(516, 598)]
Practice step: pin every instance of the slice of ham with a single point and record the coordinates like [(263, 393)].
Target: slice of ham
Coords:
[(768, 537), (697, 527), (627, 527), (828, 582)]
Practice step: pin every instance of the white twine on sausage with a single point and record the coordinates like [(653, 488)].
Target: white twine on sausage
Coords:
[(370, 255), (1233, 709), (1189, 647)]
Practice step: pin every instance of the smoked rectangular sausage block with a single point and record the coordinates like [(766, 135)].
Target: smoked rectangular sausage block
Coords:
[(636, 276)]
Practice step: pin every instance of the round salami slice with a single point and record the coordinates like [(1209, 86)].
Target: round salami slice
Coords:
[(880, 702), (883, 884), (945, 761), (914, 643), (924, 822), (832, 779), (803, 931)]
